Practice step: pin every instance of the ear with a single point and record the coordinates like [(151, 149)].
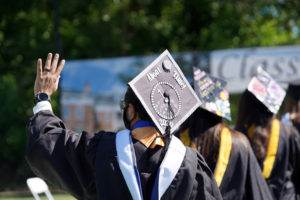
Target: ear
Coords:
[(131, 113)]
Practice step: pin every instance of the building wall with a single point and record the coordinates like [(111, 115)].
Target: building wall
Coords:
[(91, 117), (109, 117), (80, 117), (105, 120), (81, 111)]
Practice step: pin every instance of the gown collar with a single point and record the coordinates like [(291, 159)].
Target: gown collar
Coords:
[(166, 172), (150, 141), (142, 123)]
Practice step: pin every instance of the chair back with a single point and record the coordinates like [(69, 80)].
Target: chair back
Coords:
[(37, 186)]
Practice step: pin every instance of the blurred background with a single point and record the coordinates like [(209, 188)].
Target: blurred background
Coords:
[(116, 39)]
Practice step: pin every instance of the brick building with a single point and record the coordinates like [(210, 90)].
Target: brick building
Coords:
[(84, 111)]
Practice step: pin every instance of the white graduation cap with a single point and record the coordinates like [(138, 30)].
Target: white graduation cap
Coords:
[(165, 93), (267, 90)]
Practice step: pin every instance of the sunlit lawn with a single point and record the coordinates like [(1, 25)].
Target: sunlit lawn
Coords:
[(43, 197)]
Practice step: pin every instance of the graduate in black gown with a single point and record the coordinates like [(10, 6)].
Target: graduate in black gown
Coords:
[(227, 152), (142, 162), (292, 104), (276, 146), (292, 115)]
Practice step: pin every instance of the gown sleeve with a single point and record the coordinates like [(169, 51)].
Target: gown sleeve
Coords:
[(294, 158), (61, 156), (256, 186), (205, 184)]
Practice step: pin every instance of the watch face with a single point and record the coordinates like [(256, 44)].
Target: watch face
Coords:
[(166, 107), (43, 97)]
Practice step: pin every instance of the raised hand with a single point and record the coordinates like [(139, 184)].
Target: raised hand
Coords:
[(47, 79)]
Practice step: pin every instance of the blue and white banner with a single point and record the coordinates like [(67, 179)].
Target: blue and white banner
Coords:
[(237, 66)]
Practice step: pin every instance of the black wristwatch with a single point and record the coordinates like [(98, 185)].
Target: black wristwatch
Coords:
[(41, 97)]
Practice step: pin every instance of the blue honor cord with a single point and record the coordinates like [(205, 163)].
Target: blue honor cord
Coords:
[(141, 124)]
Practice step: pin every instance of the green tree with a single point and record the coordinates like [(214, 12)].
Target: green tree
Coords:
[(94, 29)]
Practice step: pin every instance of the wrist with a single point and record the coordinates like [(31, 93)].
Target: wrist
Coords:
[(36, 92)]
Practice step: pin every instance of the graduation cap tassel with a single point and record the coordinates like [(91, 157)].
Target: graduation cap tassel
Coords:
[(167, 135), (170, 115)]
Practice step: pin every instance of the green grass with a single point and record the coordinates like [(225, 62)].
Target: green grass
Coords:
[(43, 197)]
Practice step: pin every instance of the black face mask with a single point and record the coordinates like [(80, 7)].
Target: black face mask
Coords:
[(125, 120)]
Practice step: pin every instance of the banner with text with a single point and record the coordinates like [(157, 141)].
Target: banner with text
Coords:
[(237, 66)]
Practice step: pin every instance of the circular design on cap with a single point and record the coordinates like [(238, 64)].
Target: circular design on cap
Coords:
[(167, 65), (160, 100)]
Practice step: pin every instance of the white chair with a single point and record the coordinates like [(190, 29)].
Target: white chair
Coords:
[(38, 186)]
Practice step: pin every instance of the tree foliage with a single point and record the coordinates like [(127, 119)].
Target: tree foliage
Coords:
[(109, 28)]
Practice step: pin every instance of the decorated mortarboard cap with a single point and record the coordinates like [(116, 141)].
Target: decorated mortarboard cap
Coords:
[(293, 86), (294, 91), (165, 93), (212, 93), (266, 90)]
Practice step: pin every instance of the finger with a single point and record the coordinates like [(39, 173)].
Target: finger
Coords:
[(48, 61), (39, 68), (56, 83), (60, 67), (54, 62)]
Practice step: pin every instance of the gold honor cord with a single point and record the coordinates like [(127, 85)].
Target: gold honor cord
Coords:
[(185, 138), (251, 131), (224, 155), (272, 149)]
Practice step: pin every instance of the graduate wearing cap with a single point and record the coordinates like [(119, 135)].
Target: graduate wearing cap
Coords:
[(227, 152), (144, 161), (292, 104), (276, 146)]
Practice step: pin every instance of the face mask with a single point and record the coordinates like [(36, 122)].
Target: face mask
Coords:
[(125, 120)]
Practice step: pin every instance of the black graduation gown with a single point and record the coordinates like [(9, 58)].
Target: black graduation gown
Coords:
[(294, 160), (86, 165), (297, 126), (284, 179), (242, 178)]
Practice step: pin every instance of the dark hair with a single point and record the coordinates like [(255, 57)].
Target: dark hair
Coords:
[(202, 120), (291, 105), (253, 112), (131, 98), (203, 123), (293, 91), (208, 144), (292, 102)]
